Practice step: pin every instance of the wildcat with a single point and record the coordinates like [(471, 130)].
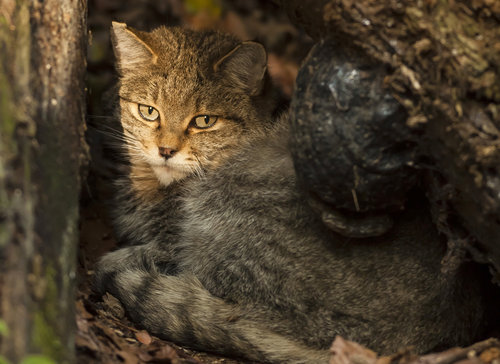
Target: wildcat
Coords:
[(227, 255), (183, 98)]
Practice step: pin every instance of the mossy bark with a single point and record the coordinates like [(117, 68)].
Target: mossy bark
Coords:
[(443, 64), (42, 64)]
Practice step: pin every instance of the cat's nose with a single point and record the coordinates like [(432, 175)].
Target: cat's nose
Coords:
[(166, 152)]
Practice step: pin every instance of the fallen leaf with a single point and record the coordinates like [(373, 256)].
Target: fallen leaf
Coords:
[(346, 352), (490, 354), (143, 337), (165, 352)]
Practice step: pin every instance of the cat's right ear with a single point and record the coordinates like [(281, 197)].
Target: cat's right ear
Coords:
[(130, 50), (244, 67)]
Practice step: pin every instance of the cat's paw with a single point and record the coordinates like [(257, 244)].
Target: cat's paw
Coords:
[(111, 265), (123, 271), (122, 276)]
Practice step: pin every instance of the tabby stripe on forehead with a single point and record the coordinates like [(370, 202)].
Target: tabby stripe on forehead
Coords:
[(197, 103), (126, 99), (155, 94)]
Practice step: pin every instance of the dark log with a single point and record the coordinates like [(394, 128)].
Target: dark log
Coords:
[(443, 62), (42, 108), (346, 127)]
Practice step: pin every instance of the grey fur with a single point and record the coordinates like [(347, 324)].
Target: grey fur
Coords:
[(234, 260)]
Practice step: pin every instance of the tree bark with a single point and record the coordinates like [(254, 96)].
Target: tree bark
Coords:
[(443, 61), (42, 148)]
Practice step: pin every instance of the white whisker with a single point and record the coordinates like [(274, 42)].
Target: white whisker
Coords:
[(197, 168)]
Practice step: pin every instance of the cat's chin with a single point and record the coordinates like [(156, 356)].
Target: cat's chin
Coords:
[(167, 175)]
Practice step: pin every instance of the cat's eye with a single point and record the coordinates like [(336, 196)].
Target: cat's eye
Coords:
[(203, 121), (148, 113)]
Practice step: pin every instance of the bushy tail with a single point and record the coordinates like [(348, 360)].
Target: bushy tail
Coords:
[(180, 309)]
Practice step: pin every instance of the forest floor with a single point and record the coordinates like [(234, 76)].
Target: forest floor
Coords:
[(104, 333)]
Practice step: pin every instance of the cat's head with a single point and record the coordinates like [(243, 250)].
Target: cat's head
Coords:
[(186, 98)]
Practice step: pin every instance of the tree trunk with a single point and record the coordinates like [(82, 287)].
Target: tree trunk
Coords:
[(443, 62), (42, 108)]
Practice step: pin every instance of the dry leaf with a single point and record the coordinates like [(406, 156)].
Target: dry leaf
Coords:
[(490, 354), (143, 337), (347, 352)]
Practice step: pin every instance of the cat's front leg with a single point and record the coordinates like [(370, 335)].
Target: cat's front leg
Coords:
[(143, 258)]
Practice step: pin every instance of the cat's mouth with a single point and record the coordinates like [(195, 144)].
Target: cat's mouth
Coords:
[(170, 172), (172, 166)]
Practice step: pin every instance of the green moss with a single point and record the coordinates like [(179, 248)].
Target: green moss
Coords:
[(210, 7), (4, 329), (45, 336), (37, 359), (7, 143), (22, 55), (14, 81), (9, 47), (7, 124), (4, 230)]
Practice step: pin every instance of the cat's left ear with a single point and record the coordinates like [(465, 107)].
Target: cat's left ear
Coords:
[(244, 67)]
